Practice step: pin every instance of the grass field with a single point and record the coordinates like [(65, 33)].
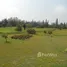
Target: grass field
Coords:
[(23, 53)]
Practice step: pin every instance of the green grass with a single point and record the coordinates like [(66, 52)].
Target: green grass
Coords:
[(23, 53), (7, 29)]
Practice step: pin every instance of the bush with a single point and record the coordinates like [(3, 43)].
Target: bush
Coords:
[(5, 36), (45, 32), (18, 28), (21, 36), (31, 31), (50, 32)]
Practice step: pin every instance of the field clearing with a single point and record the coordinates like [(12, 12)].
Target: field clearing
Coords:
[(23, 53)]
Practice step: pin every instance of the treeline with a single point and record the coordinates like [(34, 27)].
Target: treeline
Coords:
[(12, 22)]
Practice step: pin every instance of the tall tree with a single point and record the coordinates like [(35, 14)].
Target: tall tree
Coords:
[(64, 26), (4, 22), (24, 26), (57, 23), (46, 23)]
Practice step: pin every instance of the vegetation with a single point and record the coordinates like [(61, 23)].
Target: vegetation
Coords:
[(24, 47), (18, 28), (5, 36), (50, 32), (24, 52), (31, 31), (45, 31), (27, 36), (14, 21), (24, 26)]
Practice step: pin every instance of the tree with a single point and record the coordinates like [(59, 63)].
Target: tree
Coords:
[(24, 26), (57, 23), (29, 25), (42, 25), (4, 22), (61, 26), (18, 28), (46, 23), (13, 21), (64, 26), (53, 25)]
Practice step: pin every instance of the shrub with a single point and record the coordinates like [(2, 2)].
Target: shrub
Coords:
[(45, 32), (31, 31), (50, 32), (18, 28), (5, 36), (21, 36)]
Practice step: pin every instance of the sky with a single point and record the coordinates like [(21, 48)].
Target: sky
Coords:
[(34, 9)]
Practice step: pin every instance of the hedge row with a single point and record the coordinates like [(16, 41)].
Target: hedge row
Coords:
[(21, 36)]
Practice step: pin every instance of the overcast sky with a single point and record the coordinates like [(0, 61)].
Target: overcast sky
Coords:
[(34, 9)]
